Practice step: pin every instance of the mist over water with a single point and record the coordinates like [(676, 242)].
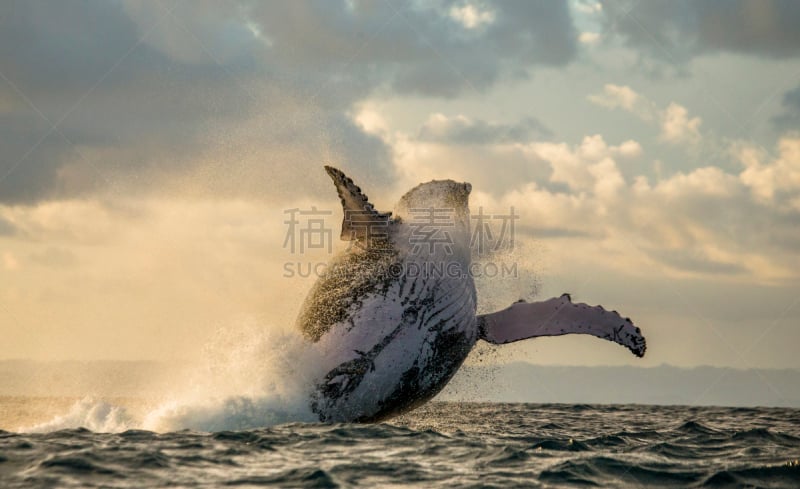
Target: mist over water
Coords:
[(250, 375)]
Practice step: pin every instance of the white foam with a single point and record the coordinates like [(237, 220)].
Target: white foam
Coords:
[(89, 413), (251, 376)]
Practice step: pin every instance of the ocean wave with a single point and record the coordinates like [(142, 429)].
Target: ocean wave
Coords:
[(440, 444)]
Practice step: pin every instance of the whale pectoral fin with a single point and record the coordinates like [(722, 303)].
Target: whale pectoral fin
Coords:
[(361, 220), (559, 316)]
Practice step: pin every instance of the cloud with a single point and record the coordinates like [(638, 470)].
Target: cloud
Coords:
[(679, 30), (776, 180), (145, 262), (691, 224), (687, 224), (418, 161), (624, 97), (708, 181), (696, 261), (206, 34), (586, 167), (434, 49), (678, 127), (464, 130), (235, 97), (699, 222), (164, 107), (472, 16), (675, 123)]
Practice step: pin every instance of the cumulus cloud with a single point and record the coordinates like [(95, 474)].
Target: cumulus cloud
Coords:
[(678, 127), (687, 224), (509, 164), (588, 166), (770, 180), (675, 123), (708, 181), (692, 223), (678, 30)]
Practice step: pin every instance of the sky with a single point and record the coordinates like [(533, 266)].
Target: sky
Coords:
[(150, 151)]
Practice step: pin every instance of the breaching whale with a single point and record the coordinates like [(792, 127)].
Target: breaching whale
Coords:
[(394, 316)]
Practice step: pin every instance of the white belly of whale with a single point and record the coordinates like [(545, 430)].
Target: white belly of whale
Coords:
[(396, 350)]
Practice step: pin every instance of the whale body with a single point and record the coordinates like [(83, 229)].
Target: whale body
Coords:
[(393, 317)]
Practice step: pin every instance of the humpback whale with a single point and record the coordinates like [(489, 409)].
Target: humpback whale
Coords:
[(394, 315)]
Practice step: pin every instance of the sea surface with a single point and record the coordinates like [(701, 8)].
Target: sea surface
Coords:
[(439, 445)]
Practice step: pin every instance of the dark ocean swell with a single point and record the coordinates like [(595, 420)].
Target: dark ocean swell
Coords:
[(441, 444)]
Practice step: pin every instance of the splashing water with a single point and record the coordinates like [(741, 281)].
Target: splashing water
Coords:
[(251, 376), (92, 414)]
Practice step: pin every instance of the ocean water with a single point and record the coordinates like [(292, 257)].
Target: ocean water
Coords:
[(438, 445)]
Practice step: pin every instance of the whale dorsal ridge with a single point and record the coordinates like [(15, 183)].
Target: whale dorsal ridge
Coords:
[(360, 216)]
